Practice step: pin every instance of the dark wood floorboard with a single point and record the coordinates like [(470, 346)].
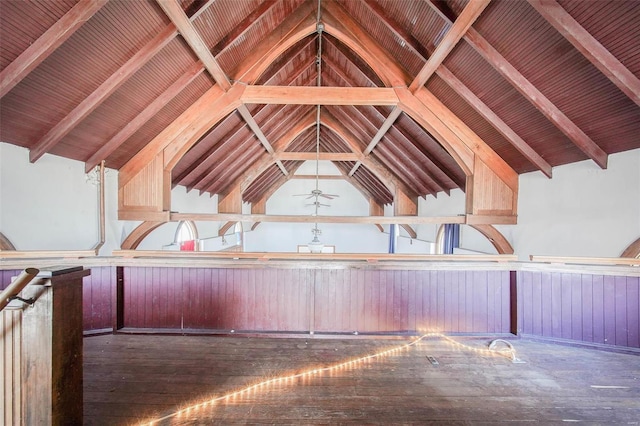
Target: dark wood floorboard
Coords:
[(132, 378)]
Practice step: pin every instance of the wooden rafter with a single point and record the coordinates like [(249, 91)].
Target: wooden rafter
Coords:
[(48, 42), (190, 34), (90, 103), (481, 108), (386, 125), (144, 116), (591, 48), (251, 122), (463, 22), (528, 90), (445, 74), (175, 13)]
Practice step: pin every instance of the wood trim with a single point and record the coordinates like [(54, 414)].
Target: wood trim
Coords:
[(110, 85), (224, 228), (591, 48), (633, 250), (312, 219), (175, 13), (586, 260), (5, 243), (496, 238), (136, 236), (490, 219), (463, 22), (313, 95), (47, 43)]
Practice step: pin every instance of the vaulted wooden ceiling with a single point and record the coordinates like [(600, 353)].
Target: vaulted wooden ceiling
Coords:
[(542, 82)]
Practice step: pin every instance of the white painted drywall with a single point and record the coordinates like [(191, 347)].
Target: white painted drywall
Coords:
[(582, 211)]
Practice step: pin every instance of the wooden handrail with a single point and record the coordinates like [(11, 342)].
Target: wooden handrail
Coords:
[(17, 285), (369, 257)]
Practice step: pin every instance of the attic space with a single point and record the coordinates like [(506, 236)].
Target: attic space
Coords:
[(365, 211)]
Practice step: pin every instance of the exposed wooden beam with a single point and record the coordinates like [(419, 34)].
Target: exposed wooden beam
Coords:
[(467, 17), (196, 169), (341, 25), (47, 43), (5, 243), (311, 156), (241, 28), (541, 102), (257, 169), (591, 48), (386, 125), (496, 238), (244, 112), (529, 91), (136, 236), (313, 95), (633, 250), (312, 219), (502, 127), (90, 103), (174, 11), (145, 115), (321, 177)]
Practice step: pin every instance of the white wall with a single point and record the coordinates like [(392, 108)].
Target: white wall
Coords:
[(582, 211), (51, 205)]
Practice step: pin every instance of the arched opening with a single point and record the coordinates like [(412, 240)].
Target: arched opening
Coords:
[(186, 236)]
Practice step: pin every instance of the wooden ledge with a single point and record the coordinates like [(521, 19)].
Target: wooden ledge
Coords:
[(629, 261), (365, 257), (46, 254)]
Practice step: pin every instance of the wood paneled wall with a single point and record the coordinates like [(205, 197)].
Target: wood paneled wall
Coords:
[(600, 309), (11, 366), (318, 300), (572, 306), (97, 298)]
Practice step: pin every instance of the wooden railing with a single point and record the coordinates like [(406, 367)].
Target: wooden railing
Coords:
[(16, 286)]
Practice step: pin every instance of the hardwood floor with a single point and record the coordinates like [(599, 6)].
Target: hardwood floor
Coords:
[(132, 378)]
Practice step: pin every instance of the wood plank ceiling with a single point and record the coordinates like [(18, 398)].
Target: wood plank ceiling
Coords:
[(543, 83)]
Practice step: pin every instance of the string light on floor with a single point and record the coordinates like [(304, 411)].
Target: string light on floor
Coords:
[(290, 379)]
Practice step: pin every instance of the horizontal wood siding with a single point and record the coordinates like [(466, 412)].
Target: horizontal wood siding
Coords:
[(322, 300), (590, 308), (97, 295)]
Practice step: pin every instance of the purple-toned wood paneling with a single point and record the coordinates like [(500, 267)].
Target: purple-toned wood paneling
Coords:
[(590, 308), (6, 276), (319, 300), (97, 295)]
